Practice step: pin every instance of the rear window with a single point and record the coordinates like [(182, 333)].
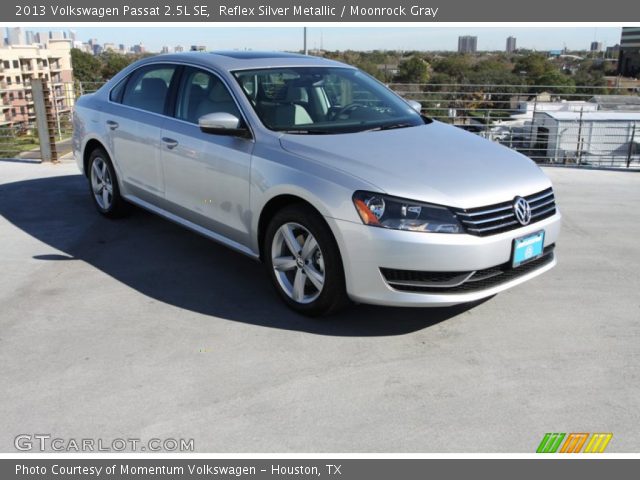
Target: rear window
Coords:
[(147, 88)]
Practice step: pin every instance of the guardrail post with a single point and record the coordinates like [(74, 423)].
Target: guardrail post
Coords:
[(533, 118), (45, 120), (630, 151), (579, 144)]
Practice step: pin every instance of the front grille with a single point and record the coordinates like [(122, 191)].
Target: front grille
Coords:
[(462, 282), (500, 217)]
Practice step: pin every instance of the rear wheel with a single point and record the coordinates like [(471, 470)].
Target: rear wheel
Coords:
[(304, 262), (103, 185)]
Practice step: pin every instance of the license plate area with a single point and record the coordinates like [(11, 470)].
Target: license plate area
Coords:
[(527, 248)]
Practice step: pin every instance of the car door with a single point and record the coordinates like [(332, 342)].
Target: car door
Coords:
[(207, 176), (134, 118)]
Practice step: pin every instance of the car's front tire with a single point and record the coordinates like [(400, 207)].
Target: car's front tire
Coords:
[(303, 261), (103, 185)]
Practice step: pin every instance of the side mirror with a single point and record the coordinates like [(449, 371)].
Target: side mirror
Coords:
[(417, 106), (221, 123)]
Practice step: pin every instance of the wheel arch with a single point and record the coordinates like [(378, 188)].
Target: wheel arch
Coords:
[(277, 203), (89, 147)]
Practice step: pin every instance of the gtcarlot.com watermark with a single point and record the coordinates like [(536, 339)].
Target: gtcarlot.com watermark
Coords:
[(30, 442)]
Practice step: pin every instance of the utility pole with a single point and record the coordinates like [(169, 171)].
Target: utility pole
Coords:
[(306, 52)]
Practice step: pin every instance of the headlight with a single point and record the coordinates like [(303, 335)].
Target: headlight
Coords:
[(384, 211)]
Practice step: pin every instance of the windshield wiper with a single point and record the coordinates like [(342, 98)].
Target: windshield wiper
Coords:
[(307, 132), (391, 126)]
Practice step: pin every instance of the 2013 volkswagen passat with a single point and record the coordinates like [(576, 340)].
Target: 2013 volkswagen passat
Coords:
[(335, 182)]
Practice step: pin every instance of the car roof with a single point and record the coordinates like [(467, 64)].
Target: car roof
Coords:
[(244, 60)]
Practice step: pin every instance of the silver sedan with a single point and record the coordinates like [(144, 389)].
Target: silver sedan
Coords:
[(339, 186)]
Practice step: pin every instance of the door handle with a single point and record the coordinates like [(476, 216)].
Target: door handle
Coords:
[(170, 142), (112, 125)]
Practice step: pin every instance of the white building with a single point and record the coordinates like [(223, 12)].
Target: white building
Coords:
[(602, 138), (526, 109)]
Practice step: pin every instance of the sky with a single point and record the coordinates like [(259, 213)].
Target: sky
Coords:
[(354, 38)]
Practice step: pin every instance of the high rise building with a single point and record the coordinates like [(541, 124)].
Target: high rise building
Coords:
[(15, 36), (29, 37), (612, 52), (511, 44), (178, 48), (165, 49), (467, 44), (139, 48), (57, 35), (629, 59), (596, 46)]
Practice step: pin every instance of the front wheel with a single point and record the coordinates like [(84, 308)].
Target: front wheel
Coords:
[(304, 262)]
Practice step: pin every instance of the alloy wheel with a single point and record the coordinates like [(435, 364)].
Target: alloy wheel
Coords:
[(101, 183), (298, 262)]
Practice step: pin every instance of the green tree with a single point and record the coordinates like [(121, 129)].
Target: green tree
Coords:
[(557, 82), (413, 70), (493, 72), (86, 67), (533, 65), (112, 63), (591, 74), (371, 68), (457, 67)]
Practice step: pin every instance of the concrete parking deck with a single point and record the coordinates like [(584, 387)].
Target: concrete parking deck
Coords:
[(140, 329)]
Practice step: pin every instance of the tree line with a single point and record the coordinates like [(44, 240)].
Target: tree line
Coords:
[(528, 68)]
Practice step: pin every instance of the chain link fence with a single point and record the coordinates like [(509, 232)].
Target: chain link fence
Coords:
[(552, 124)]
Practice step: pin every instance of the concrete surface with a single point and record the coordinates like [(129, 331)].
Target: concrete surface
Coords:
[(140, 329)]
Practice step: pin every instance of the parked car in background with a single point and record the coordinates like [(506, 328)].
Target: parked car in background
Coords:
[(337, 184)]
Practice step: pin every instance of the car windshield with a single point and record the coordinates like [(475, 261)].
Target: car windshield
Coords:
[(321, 100)]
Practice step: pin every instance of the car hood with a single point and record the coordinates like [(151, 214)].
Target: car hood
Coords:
[(434, 163)]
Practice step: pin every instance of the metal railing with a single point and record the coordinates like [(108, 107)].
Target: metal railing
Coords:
[(17, 140), (18, 124), (569, 125), (552, 124)]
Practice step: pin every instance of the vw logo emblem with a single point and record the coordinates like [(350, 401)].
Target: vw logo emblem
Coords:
[(522, 209)]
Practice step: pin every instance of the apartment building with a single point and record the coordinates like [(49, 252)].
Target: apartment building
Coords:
[(20, 65)]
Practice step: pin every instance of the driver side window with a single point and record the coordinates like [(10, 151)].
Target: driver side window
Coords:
[(201, 93)]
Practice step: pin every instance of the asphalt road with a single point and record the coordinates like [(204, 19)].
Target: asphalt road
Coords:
[(140, 329)]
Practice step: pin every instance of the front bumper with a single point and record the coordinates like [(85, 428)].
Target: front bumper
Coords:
[(365, 250)]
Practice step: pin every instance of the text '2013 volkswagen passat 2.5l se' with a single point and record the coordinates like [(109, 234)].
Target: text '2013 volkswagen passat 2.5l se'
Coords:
[(336, 183)]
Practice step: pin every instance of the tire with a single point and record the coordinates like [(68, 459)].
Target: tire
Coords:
[(103, 185), (311, 280)]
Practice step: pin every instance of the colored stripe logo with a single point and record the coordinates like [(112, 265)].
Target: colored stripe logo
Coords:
[(574, 442), (598, 442)]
